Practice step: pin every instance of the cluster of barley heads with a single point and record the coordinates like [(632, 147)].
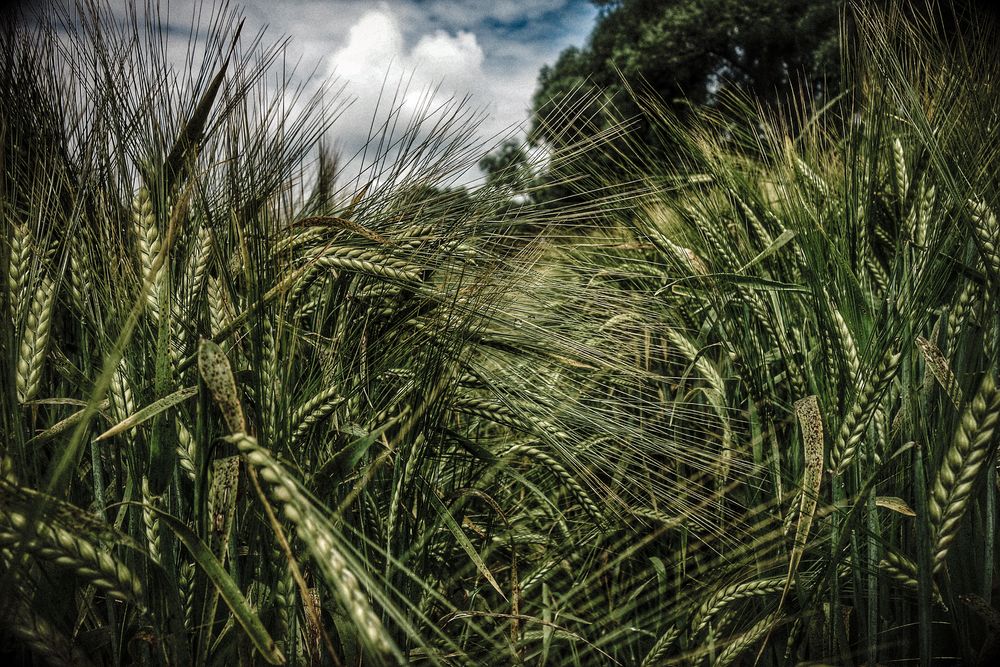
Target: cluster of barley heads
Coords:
[(825, 288), (256, 415), (740, 408)]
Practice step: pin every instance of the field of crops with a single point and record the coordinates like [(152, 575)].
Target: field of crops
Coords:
[(736, 409)]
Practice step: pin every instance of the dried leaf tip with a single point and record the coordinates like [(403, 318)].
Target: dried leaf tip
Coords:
[(218, 377)]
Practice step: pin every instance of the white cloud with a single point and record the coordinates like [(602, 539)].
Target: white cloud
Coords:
[(376, 47), (490, 50), (420, 73), (373, 42), (456, 60)]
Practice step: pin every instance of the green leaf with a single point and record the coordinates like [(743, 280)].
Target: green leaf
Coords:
[(217, 374), (807, 411), (776, 245), (63, 425), (462, 538), (757, 282), (227, 588), (149, 412), (346, 458), (753, 282)]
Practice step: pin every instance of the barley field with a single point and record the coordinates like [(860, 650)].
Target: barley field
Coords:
[(738, 409)]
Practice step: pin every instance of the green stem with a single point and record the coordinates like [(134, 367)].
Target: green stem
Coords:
[(924, 565)]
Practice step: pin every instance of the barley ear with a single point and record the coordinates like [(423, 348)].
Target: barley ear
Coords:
[(47, 643), (31, 354), (18, 268), (72, 551), (661, 647), (148, 242), (321, 543), (899, 162), (960, 467), (730, 594), (987, 231), (737, 646), (187, 450), (150, 522), (852, 429), (903, 571)]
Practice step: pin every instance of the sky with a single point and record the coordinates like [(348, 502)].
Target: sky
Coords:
[(490, 50)]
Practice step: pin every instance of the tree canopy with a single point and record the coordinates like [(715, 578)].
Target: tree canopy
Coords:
[(689, 52), (685, 55)]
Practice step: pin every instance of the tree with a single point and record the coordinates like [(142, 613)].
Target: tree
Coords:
[(687, 53), (507, 167)]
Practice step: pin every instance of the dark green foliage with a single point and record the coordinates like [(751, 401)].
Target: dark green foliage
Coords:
[(690, 54)]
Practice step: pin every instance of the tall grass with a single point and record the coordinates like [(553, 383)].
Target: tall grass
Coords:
[(743, 408), (848, 257)]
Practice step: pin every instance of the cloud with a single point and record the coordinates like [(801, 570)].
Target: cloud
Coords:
[(456, 60), (376, 46), (490, 50), (418, 73), (373, 43)]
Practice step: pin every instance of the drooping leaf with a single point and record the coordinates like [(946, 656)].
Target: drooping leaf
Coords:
[(226, 588), (218, 377), (461, 538)]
